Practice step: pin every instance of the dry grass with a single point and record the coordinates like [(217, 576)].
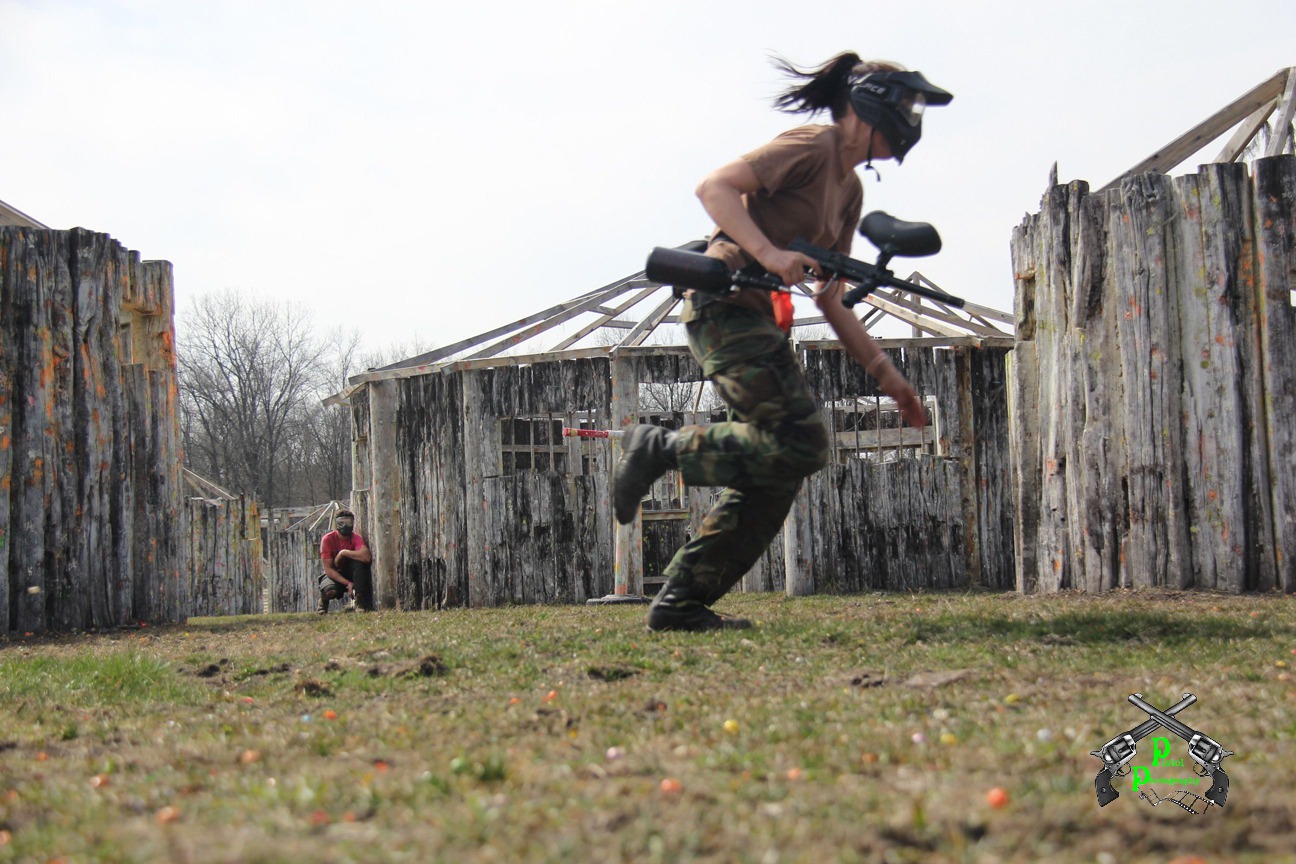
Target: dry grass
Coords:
[(571, 734)]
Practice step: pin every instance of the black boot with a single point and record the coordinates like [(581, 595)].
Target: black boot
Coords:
[(323, 604), (674, 610), (647, 451)]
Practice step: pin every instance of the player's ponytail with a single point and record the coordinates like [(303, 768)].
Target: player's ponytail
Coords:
[(826, 87)]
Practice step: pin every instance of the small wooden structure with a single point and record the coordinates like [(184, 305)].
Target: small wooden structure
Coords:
[(471, 496), (1154, 376)]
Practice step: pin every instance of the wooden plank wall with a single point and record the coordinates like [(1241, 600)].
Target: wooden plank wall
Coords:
[(1153, 383), (930, 522), (469, 535), (293, 561), (893, 526), (361, 474), (433, 563), (91, 518), (224, 542)]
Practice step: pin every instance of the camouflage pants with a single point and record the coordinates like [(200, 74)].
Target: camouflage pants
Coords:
[(774, 438)]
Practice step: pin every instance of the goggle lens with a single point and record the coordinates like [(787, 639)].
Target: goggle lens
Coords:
[(911, 107)]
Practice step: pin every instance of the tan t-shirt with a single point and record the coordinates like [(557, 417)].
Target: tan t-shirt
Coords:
[(805, 192)]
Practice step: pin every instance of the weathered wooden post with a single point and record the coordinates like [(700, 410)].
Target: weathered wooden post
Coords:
[(1275, 213), (798, 542), (627, 539), (385, 491), (477, 454)]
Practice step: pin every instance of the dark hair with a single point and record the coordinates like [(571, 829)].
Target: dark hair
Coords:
[(339, 514), (825, 87)]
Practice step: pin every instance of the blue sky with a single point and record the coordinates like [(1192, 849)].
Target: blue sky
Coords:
[(428, 171)]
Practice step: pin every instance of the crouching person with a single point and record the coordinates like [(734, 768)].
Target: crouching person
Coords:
[(346, 559)]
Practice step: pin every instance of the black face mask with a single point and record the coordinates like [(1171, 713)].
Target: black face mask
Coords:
[(893, 103), (344, 529)]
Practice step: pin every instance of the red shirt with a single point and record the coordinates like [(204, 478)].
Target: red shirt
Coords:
[(333, 543)]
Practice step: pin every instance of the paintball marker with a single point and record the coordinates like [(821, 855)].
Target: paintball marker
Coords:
[(1118, 752), (1206, 752), (687, 268)]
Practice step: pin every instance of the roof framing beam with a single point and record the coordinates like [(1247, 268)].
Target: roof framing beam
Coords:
[(1247, 106), (607, 317)]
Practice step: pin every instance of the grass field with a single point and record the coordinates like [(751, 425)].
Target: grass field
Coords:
[(866, 728)]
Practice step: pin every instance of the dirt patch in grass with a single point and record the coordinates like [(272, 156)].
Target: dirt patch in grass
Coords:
[(865, 728)]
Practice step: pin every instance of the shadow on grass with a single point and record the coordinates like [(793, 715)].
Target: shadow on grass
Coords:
[(1077, 628), (238, 623)]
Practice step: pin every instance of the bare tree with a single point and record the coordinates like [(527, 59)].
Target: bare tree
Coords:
[(385, 356), (329, 437), (681, 398), (250, 373)]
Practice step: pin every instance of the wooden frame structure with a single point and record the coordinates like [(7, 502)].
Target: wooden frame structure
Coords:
[(612, 308), (1275, 98), (425, 433)]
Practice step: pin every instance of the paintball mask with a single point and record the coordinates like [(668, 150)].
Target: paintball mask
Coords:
[(345, 525), (893, 104)]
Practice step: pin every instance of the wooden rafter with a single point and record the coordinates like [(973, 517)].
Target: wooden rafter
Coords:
[(645, 327), (609, 309), (1251, 110), (572, 310), (941, 313), (13, 216), (426, 362), (1245, 132), (1288, 104), (205, 486), (922, 322), (606, 319)]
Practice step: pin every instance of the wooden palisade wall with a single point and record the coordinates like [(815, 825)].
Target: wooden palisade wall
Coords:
[(1154, 383), (466, 533), (93, 510), (225, 575), (90, 495)]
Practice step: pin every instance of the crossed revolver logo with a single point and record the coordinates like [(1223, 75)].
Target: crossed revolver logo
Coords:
[(1205, 751)]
